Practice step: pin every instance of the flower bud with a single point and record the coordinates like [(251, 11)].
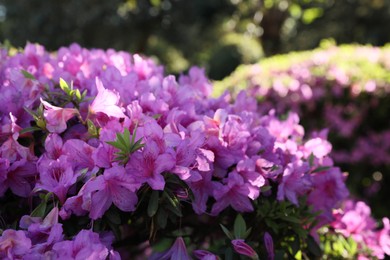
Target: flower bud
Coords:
[(243, 248)]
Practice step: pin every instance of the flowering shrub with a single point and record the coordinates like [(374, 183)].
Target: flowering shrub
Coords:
[(102, 156), (342, 88)]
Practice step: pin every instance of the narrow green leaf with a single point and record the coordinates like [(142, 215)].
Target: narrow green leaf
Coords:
[(83, 94), (311, 160), (239, 226), (27, 75), (29, 129), (117, 144), (120, 139), (321, 169), (48, 196), (153, 203), (247, 233), (313, 246), (40, 210), (64, 86), (227, 232), (173, 205), (77, 94), (265, 188), (162, 217), (290, 219), (31, 112), (126, 137), (113, 216)]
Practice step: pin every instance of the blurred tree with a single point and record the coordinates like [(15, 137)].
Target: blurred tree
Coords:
[(218, 34)]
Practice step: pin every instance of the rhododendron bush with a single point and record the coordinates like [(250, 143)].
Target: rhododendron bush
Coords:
[(103, 156), (342, 88)]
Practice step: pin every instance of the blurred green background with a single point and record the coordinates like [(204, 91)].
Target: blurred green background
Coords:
[(215, 34)]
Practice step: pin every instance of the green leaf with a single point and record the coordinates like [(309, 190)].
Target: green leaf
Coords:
[(321, 169), (162, 217), (31, 112), (265, 188), (120, 139), (311, 160), (173, 206), (29, 129), (27, 75), (113, 216), (290, 219), (64, 86), (126, 137), (116, 144), (40, 210), (239, 227), (247, 233), (313, 246), (92, 129), (153, 203), (227, 232)]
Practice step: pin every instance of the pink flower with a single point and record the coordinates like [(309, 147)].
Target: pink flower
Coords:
[(294, 182), (14, 244), (243, 248), (147, 165), (235, 193), (114, 186), (106, 102), (204, 255), (384, 236), (56, 117), (328, 191), (177, 251)]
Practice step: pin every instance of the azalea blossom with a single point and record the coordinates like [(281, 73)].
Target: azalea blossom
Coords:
[(106, 102), (56, 117), (114, 186)]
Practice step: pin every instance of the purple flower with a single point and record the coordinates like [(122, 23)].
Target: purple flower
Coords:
[(43, 233), (269, 246), (14, 244), (114, 186), (79, 154), (56, 176), (4, 165), (177, 251), (328, 191), (86, 245), (20, 177), (294, 182), (243, 248), (147, 165), (53, 146), (56, 117), (204, 255), (235, 193)]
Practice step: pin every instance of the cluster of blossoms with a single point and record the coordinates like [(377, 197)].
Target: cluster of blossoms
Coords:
[(103, 156), (342, 88)]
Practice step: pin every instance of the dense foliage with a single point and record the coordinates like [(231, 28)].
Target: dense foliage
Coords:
[(102, 155), (344, 89)]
